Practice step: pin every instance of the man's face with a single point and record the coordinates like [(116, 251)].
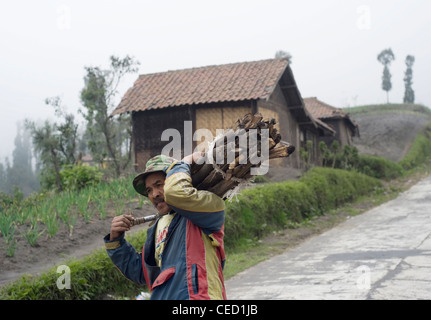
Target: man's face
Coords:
[(154, 184)]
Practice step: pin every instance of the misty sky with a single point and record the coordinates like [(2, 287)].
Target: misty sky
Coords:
[(46, 44)]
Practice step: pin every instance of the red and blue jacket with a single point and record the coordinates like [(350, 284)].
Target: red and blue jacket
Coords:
[(193, 257)]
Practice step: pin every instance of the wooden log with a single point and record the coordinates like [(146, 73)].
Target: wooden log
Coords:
[(222, 177), (200, 175)]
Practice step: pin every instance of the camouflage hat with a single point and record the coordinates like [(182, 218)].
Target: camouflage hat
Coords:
[(157, 163)]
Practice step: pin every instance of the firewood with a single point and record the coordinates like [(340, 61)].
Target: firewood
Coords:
[(220, 176)]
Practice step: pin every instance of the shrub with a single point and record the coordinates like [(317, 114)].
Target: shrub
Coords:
[(378, 167), (75, 177), (420, 150), (90, 277)]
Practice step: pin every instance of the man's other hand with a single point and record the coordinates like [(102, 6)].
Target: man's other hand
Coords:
[(119, 225)]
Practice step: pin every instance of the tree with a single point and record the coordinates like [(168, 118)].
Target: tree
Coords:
[(3, 178), (55, 144), (108, 136), (409, 94), (280, 54), (46, 144), (386, 57), (20, 174), (67, 131)]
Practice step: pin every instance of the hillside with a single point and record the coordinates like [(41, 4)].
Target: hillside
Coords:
[(388, 130)]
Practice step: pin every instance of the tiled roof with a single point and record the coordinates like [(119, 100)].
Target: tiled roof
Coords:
[(321, 110), (229, 82)]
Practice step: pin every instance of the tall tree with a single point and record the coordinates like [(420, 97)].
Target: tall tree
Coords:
[(20, 174), (46, 144), (97, 97), (409, 94), (3, 178), (386, 57)]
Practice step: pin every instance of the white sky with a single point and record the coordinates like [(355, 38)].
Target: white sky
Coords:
[(334, 43)]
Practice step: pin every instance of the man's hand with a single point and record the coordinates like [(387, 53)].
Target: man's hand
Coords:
[(119, 225), (194, 157)]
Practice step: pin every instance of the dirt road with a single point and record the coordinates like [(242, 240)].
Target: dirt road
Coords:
[(385, 253)]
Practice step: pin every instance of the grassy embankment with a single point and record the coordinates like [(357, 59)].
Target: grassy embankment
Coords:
[(388, 108)]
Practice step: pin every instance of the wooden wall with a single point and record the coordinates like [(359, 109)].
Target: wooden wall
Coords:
[(219, 116), (276, 107), (148, 127)]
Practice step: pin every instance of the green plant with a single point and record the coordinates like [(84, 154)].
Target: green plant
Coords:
[(102, 209), (73, 217), (11, 246), (49, 218), (6, 201), (91, 277), (32, 234), (7, 225), (62, 208), (83, 200), (378, 167), (335, 146), (419, 151), (77, 177), (7, 229), (306, 154)]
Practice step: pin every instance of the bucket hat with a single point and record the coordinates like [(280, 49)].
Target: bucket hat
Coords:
[(155, 164)]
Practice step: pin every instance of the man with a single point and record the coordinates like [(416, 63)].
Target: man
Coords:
[(183, 256)]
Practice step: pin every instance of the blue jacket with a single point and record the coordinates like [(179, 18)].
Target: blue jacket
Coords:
[(193, 258)]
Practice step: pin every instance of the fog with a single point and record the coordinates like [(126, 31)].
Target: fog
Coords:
[(334, 45)]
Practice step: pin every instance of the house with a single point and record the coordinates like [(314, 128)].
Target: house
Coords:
[(213, 97), (345, 128)]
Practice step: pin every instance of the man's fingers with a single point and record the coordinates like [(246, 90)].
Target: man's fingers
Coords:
[(122, 223), (129, 217)]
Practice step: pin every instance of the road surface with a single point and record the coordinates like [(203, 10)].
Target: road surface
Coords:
[(384, 253)]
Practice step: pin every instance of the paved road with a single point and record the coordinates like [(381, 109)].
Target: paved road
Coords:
[(384, 253)]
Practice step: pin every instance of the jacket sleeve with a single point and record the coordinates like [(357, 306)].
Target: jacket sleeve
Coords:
[(125, 258), (205, 209)]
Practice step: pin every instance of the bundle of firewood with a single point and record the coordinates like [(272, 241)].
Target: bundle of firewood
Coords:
[(232, 156)]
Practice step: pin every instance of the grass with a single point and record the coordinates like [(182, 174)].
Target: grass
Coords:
[(419, 151), (389, 108)]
